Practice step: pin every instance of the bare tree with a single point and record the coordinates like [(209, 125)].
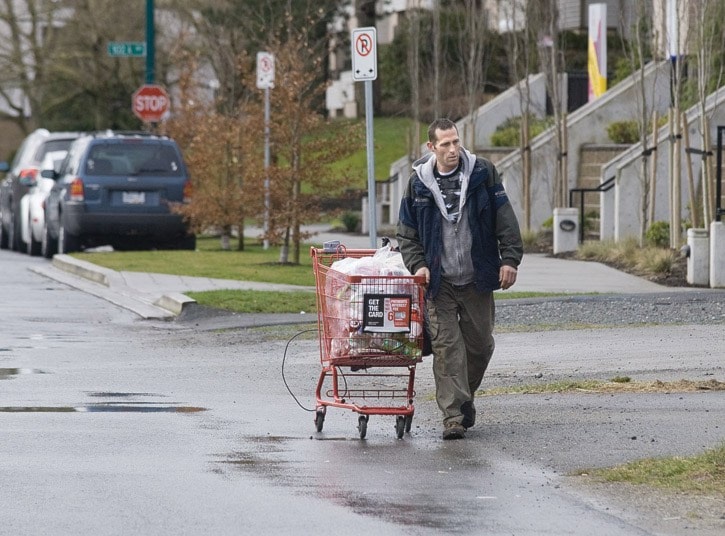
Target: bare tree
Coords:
[(221, 151), (28, 38), (473, 40), (303, 141), (414, 38), (224, 29), (520, 59), (85, 82), (708, 37), (677, 46), (638, 51), (436, 58), (551, 65)]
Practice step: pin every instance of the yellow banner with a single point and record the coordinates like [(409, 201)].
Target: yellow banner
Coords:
[(597, 81)]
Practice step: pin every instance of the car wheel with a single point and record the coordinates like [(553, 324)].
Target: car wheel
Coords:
[(34, 247), (67, 243), (3, 237), (13, 234), (48, 245)]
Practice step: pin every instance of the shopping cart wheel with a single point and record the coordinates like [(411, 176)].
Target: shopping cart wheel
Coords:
[(400, 426), (319, 419), (362, 425), (408, 422)]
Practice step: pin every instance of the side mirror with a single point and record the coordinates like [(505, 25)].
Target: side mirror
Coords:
[(4, 167), (49, 174)]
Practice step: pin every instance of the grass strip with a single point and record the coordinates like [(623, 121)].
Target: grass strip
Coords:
[(615, 385), (257, 301), (703, 474)]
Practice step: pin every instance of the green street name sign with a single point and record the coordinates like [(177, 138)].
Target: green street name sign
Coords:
[(116, 49)]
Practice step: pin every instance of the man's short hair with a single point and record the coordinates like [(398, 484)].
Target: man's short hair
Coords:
[(439, 124)]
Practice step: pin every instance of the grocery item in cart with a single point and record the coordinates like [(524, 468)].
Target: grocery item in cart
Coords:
[(395, 323)]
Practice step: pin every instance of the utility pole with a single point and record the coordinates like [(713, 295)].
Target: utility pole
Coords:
[(150, 43)]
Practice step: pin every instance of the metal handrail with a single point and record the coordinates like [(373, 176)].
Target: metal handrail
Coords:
[(603, 187), (718, 184)]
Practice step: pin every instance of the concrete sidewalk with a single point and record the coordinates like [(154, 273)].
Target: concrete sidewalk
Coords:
[(160, 296)]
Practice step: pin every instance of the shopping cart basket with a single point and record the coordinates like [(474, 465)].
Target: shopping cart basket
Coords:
[(371, 338)]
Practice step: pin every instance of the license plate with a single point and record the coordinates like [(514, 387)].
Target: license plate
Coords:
[(133, 198)]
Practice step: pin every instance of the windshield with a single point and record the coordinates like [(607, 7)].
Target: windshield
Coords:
[(52, 146), (133, 159)]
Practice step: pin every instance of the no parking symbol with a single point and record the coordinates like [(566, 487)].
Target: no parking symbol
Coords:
[(364, 54)]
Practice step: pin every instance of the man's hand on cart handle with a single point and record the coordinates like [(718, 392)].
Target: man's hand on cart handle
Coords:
[(423, 270), (507, 276)]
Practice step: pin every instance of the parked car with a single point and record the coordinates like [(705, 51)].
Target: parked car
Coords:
[(32, 205), (118, 189), (22, 171)]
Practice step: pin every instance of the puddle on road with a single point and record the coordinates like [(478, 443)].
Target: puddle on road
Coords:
[(102, 408), (283, 462), (9, 373), (127, 405), (111, 394)]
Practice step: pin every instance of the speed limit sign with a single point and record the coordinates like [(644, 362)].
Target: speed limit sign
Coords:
[(265, 70)]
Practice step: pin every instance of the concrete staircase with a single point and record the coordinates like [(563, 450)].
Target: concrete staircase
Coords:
[(592, 157)]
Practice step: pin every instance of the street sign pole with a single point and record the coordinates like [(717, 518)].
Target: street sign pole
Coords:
[(150, 40), (265, 80), (365, 69), (370, 146), (267, 200)]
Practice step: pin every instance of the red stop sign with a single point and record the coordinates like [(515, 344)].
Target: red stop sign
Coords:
[(150, 103)]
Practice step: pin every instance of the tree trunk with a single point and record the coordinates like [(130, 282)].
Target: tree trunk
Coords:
[(694, 217), (284, 249), (240, 235), (295, 224), (414, 69), (436, 60), (225, 238)]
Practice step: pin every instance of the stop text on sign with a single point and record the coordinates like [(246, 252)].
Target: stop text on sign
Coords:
[(150, 103), (153, 103)]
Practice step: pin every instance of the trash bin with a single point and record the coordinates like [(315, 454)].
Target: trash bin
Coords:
[(698, 257), (566, 229)]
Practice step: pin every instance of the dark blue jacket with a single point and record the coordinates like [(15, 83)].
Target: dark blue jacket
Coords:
[(494, 230)]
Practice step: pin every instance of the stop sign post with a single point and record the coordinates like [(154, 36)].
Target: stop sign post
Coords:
[(150, 103)]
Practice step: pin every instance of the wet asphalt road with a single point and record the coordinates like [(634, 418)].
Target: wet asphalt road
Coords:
[(113, 425)]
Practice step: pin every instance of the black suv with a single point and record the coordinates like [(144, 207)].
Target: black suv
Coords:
[(21, 174), (118, 189)]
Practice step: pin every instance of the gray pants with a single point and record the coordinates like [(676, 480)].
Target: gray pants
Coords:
[(460, 325)]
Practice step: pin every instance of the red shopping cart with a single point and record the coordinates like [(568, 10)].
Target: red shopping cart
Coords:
[(370, 328)]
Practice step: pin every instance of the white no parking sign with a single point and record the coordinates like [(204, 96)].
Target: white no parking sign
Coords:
[(364, 54), (265, 70)]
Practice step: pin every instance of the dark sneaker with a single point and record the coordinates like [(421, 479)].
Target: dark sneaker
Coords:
[(469, 414), (454, 430)]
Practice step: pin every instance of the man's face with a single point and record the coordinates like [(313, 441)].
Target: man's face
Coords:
[(446, 148)]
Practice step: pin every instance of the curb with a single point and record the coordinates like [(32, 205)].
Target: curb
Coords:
[(173, 303), (82, 269)]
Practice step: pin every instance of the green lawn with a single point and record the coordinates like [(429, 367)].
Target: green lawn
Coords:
[(252, 264), (390, 139), (209, 260)]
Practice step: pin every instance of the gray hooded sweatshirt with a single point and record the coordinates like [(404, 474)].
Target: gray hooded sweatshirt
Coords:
[(456, 260)]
